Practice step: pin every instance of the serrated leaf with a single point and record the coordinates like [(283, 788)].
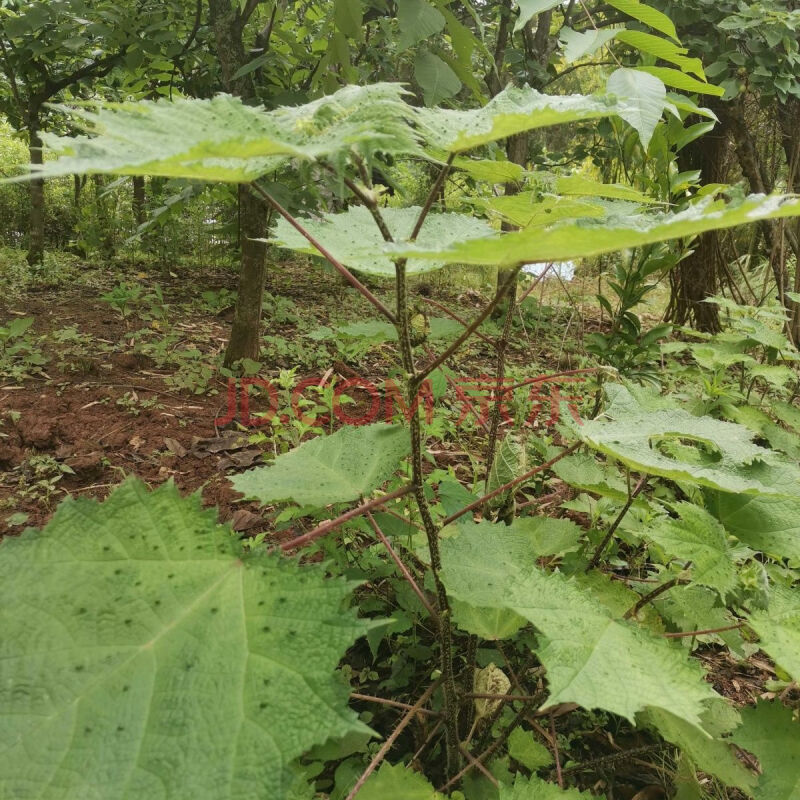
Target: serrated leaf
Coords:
[(569, 241), (397, 781), (770, 525), (224, 140), (585, 647), (697, 537), (646, 96), (509, 462), (144, 654), (523, 747), (512, 111), (713, 756), (778, 628), (436, 78), (582, 471), (355, 240), (730, 461), (329, 469), (769, 732), (534, 788)]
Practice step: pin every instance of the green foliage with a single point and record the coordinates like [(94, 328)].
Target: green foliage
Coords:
[(779, 629), (165, 657), (330, 469), (584, 658)]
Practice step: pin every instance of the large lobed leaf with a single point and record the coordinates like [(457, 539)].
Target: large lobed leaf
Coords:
[(329, 469), (583, 238), (143, 654), (778, 628), (654, 441), (585, 647), (354, 239), (224, 140)]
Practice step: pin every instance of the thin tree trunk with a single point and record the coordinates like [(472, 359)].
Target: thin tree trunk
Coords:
[(697, 277), (789, 122), (245, 334), (139, 199), (36, 218)]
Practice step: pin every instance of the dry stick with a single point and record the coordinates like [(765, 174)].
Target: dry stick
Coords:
[(554, 740), (387, 745), (539, 278), (602, 546), (324, 252), (329, 525), (657, 592), (474, 325), (403, 569), (460, 321), (545, 378), (706, 632), (394, 703), (511, 484), (475, 763)]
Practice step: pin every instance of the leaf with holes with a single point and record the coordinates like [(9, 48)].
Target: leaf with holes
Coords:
[(144, 654), (329, 469), (585, 646)]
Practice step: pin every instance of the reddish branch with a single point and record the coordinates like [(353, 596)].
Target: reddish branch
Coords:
[(326, 527), (393, 703)]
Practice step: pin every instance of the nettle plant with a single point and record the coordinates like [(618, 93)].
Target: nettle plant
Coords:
[(149, 653)]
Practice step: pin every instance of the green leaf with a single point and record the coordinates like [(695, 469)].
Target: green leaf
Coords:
[(585, 647), (529, 208), (679, 80), (512, 111), (769, 732), (578, 44), (440, 328), (579, 185), (582, 471), (509, 462), (663, 49), (648, 15), (435, 77), (348, 16), (397, 781), (725, 458), (144, 654), (646, 97), (697, 537), (418, 21), (523, 747), (483, 169), (224, 140), (534, 788), (770, 525), (329, 469), (779, 629), (713, 756), (353, 237), (528, 9), (569, 241)]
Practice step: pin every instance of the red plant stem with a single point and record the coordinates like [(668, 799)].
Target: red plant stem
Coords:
[(473, 326), (329, 525), (393, 703), (554, 740), (387, 745), (539, 279), (468, 403), (475, 763), (529, 474), (545, 378), (403, 568), (325, 253), (703, 633), (460, 321), (440, 178)]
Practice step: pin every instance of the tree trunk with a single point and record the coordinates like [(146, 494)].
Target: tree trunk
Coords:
[(36, 218), (245, 333), (697, 277), (139, 200), (789, 122)]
